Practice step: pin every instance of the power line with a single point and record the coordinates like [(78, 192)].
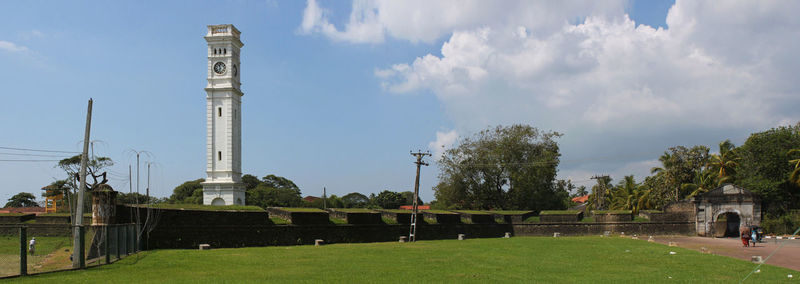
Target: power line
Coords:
[(31, 155), (29, 160), (37, 150)]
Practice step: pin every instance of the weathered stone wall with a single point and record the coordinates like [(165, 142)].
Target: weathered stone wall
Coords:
[(558, 218), (580, 229), (357, 217), (517, 218), (443, 218), (44, 230), (476, 218), (5, 219), (401, 218), (613, 217), (300, 218)]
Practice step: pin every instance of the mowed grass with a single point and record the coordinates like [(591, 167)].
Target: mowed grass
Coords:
[(9, 252), (520, 259)]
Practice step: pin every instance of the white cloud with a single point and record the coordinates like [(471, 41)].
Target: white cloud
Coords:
[(12, 47), (426, 21), (721, 69), (444, 140)]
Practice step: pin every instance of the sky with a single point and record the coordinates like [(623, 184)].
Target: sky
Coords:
[(337, 93)]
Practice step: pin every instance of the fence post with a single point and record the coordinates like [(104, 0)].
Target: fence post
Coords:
[(136, 237), (119, 247), (125, 239), (81, 251), (107, 242), (23, 251), (131, 237)]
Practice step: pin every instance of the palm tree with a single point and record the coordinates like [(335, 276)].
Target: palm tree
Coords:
[(666, 170), (703, 182), (795, 176), (628, 196), (725, 163)]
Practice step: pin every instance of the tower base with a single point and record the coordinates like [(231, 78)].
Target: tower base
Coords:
[(223, 193)]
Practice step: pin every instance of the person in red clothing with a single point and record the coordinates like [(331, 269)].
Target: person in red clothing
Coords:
[(744, 232)]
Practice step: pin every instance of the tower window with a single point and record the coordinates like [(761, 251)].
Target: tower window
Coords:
[(219, 155), (219, 111), (225, 51), (215, 51)]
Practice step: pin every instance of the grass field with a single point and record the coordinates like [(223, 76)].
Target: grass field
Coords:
[(521, 259), (9, 253)]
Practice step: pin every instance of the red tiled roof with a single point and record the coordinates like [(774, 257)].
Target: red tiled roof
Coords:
[(580, 199), (310, 198)]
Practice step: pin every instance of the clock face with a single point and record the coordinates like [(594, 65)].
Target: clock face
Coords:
[(219, 68), (235, 70)]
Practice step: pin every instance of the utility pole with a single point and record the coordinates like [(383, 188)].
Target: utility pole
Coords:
[(420, 163), (600, 196), (148, 183), (77, 244), (324, 198)]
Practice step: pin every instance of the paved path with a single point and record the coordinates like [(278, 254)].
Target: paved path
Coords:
[(787, 256)]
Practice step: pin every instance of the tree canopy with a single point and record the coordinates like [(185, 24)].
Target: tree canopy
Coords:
[(510, 167), (22, 199)]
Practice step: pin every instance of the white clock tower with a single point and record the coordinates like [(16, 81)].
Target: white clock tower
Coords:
[(223, 118)]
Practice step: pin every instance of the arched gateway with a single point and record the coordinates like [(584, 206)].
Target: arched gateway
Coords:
[(717, 211)]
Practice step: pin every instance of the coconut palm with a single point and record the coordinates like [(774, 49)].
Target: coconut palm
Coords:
[(704, 180), (795, 176), (666, 171), (725, 163), (628, 196)]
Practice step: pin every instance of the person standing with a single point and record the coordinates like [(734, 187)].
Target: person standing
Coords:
[(753, 236), (32, 245), (744, 233)]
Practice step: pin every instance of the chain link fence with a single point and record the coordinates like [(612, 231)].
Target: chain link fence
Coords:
[(26, 253)]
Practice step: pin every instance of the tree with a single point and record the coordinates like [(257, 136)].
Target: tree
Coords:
[(510, 167), (704, 181), (764, 171), (136, 198), (389, 200), (408, 196), (22, 199), (265, 196), (725, 163), (250, 182), (794, 177), (355, 200), (190, 192), (628, 195), (274, 181), (679, 166)]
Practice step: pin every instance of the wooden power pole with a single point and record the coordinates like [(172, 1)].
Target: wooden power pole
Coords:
[(420, 163), (78, 243)]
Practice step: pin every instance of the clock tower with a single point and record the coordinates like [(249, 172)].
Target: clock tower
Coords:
[(223, 185)]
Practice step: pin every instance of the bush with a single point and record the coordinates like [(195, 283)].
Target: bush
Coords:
[(781, 225)]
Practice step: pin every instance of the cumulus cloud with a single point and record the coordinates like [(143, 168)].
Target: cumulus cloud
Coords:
[(444, 140), (721, 68), (12, 47)]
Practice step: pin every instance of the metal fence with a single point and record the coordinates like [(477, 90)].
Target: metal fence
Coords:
[(102, 245)]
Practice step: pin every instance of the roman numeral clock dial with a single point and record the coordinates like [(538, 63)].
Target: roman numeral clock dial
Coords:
[(219, 68)]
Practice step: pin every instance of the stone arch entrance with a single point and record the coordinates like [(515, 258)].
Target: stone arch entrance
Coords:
[(738, 206), (218, 202), (727, 224)]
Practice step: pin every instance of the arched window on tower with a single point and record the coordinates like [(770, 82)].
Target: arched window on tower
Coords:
[(224, 51), (215, 51), (219, 111), (219, 155)]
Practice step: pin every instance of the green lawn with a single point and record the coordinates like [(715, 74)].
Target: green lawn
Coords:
[(559, 212), (301, 209), (519, 259), (9, 252), (508, 212), (439, 212), (473, 212), (354, 210)]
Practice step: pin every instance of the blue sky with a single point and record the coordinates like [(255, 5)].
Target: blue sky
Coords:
[(337, 93)]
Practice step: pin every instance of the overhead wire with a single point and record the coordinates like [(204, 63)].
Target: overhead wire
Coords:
[(37, 150)]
